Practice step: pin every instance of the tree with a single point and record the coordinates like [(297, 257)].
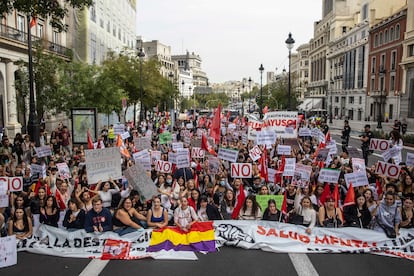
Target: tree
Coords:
[(54, 10)]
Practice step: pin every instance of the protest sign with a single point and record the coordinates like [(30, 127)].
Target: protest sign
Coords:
[(165, 138), (280, 121), (39, 170), (177, 145), (290, 164), (228, 154), (4, 197), (387, 169), (255, 153), (43, 151), (304, 131), (266, 137), (284, 150), (379, 144), (103, 164), (119, 129), (262, 200), (213, 164), (145, 162), (410, 159), (356, 178), (389, 153), (293, 143), (329, 175), (358, 165), (196, 142), (139, 179), (141, 154), (142, 143), (125, 135), (183, 159), (163, 166), (197, 152), (304, 171), (63, 170), (322, 154), (8, 251), (241, 170), (155, 155), (172, 157)]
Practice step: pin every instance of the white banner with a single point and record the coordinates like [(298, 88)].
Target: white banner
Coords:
[(284, 123), (163, 166), (8, 251), (387, 169), (287, 238), (266, 137), (255, 153), (356, 178), (43, 151), (228, 154), (329, 175), (103, 164), (290, 164), (241, 170), (284, 150)]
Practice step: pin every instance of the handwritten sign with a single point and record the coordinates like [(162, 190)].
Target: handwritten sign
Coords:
[(228, 154), (329, 175), (138, 178), (103, 164)]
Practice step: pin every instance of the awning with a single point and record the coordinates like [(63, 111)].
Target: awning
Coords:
[(311, 104)]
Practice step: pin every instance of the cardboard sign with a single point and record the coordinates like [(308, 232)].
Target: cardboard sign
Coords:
[(8, 251), (63, 170), (140, 181), (356, 178), (103, 164), (379, 144), (410, 159), (241, 170), (329, 175), (388, 169), (255, 153), (358, 165), (290, 164), (284, 150), (163, 166), (43, 151), (304, 131), (197, 153)]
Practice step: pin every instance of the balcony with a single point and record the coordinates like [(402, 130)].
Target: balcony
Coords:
[(20, 37)]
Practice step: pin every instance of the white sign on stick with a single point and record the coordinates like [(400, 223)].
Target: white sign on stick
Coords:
[(356, 178), (284, 150), (255, 153), (103, 164), (290, 164), (228, 154), (197, 152), (388, 169), (163, 166), (329, 175)]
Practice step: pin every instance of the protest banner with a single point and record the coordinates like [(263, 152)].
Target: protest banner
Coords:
[(284, 150), (165, 138), (8, 251), (103, 164), (255, 153), (241, 170), (290, 165), (140, 181), (228, 154), (155, 155), (197, 152), (410, 159), (43, 151), (163, 166), (262, 200), (266, 137), (142, 143), (387, 169), (63, 170), (356, 178), (379, 144), (329, 175), (284, 123)]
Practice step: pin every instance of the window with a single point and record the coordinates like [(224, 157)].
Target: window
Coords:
[(410, 50), (101, 23), (376, 41), (20, 23), (92, 12), (372, 84), (373, 65), (364, 12), (351, 100), (337, 99), (392, 83), (397, 31), (391, 34), (40, 30), (391, 111), (382, 63), (360, 100), (385, 36), (108, 26), (380, 38), (56, 37), (363, 34), (393, 60)]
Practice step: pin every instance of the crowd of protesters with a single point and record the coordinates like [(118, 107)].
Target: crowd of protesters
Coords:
[(112, 205)]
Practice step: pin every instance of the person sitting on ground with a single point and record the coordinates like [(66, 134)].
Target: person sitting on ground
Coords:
[(184, 215), (99, 218), (74, 217), (357, 215), (207, 211), (304, 208), (157, 216), (49, 214), (250, 210), (329, 215), (407, 213), (271, 212), (20, 224)]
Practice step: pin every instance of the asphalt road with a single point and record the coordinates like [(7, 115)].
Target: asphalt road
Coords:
[(228, 261)]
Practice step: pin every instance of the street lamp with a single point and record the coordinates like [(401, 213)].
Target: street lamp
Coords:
[(250, 91), (330, 101), (172, 107), (289, 44), (194, 107), (33, 127), (382, 73), (261, 68), (141, 56)]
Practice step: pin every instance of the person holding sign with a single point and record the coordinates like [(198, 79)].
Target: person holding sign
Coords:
[(106, 191), (271, 212), (303, 207), (20, 224), (396, 142)]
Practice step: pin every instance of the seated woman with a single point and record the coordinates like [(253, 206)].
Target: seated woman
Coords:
[(227, 204), (387, 215), (184, 215), (127, 219), (250, 210), (20, 224), (329, 215), (157, 216), (49, 214), (105, 191), (271, 212), (407, 213), (357, 215), (74, 217), (304, 208), (207, 211)]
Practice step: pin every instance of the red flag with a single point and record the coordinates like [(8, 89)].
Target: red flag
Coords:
[(263, 168), (59, 199), (350, 196), (378, 186), (37, 186), (215, 126), (90, 141), (240, 201), (325, 194), (282, 164), (283, 209), (243, 121), (236, 120), (33, 22), (336, 195), (328, 137), (228, 116), (120, 144), (206, 146)]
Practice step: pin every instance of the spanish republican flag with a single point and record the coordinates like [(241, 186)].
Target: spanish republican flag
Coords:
[(199, 238)]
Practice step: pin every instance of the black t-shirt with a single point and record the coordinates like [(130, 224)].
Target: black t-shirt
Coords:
[(370, 135)]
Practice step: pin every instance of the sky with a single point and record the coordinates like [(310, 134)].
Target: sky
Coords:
[(232, 37)]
